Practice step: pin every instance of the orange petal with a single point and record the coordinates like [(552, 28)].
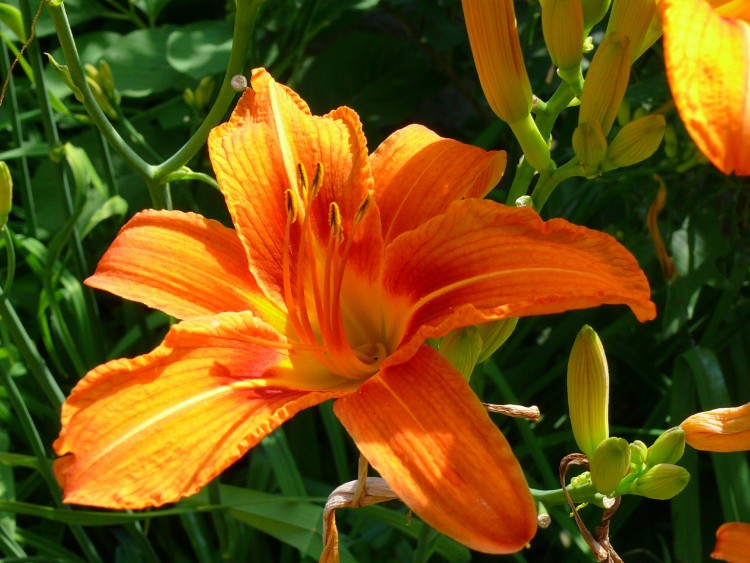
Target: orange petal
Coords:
[(482, 261), (708, 66), (719, 430), (150, 430), (182, 264), (255, 156), (418, 173), (732, 543), (420, 425)]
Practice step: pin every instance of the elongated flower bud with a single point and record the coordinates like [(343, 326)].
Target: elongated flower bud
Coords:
[(461, 347), (593, 12), (497, 55), (588, 391), (562, 25), (6, 193), (606, 81), (609, 464), (661, 482), (668, 447), (632, 18), (635, 142), (494, 334), (590, 146)]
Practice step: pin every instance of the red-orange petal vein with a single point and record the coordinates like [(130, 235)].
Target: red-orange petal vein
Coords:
[(182, 264), (147, 431), (423, 429), (482, 261)]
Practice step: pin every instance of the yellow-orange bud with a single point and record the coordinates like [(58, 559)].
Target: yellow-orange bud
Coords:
[(635, 142), (590, 146), (493, 35), (588, 391), (606, 81), (635, 19), (562, 25)]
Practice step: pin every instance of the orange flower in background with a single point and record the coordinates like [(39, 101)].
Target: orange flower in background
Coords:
[(707, 52), (338, 268), (719, 430), (732, 543)]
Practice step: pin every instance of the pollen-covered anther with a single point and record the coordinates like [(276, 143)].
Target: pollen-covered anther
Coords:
[(364, 206), (334, 219), (290, 201), (302, 181), (317, 180)]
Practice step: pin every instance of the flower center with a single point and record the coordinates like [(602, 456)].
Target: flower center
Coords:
[(313, 275)]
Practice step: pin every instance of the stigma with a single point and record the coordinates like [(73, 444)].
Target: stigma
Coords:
[(313, 278)]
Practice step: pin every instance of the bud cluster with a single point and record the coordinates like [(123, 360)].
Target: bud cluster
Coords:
[(617, 467)]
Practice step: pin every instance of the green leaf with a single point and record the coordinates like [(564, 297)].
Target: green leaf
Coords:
[(289, 520), (11, 16), (200, 48), (138, 62)]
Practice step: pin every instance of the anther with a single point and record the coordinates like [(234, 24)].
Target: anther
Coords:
[(364, 206), (317, 181), (291, 205), (302, 180), (334, 219)]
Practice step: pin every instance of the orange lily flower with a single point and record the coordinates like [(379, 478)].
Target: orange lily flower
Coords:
[(707, 54), (719, 430), (732, 543), (338, 268)]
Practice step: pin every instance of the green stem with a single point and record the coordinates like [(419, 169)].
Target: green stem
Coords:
[(72, 59), (546, 115), (11, 250), (555, 497), (30, 354), (53, 139), (547, 183), (27, 196), (247, 12)]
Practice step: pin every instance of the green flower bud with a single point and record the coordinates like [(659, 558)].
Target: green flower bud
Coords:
[(668, 448), (106, 78), (494, 334), (638, 453), (590, 146), (609, 464), (593, 12), (6, 193), (635, 142), (462, 347), (661, 482), (101, 98), (205, 91), (562, 26), (606, 81), (588, 391)]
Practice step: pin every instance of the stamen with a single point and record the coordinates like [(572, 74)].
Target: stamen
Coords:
[(334, 219), (302, 181), (317, 181), (291, 208), (364, 206)]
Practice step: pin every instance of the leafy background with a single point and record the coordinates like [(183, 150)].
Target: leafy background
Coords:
[(394, 62)]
